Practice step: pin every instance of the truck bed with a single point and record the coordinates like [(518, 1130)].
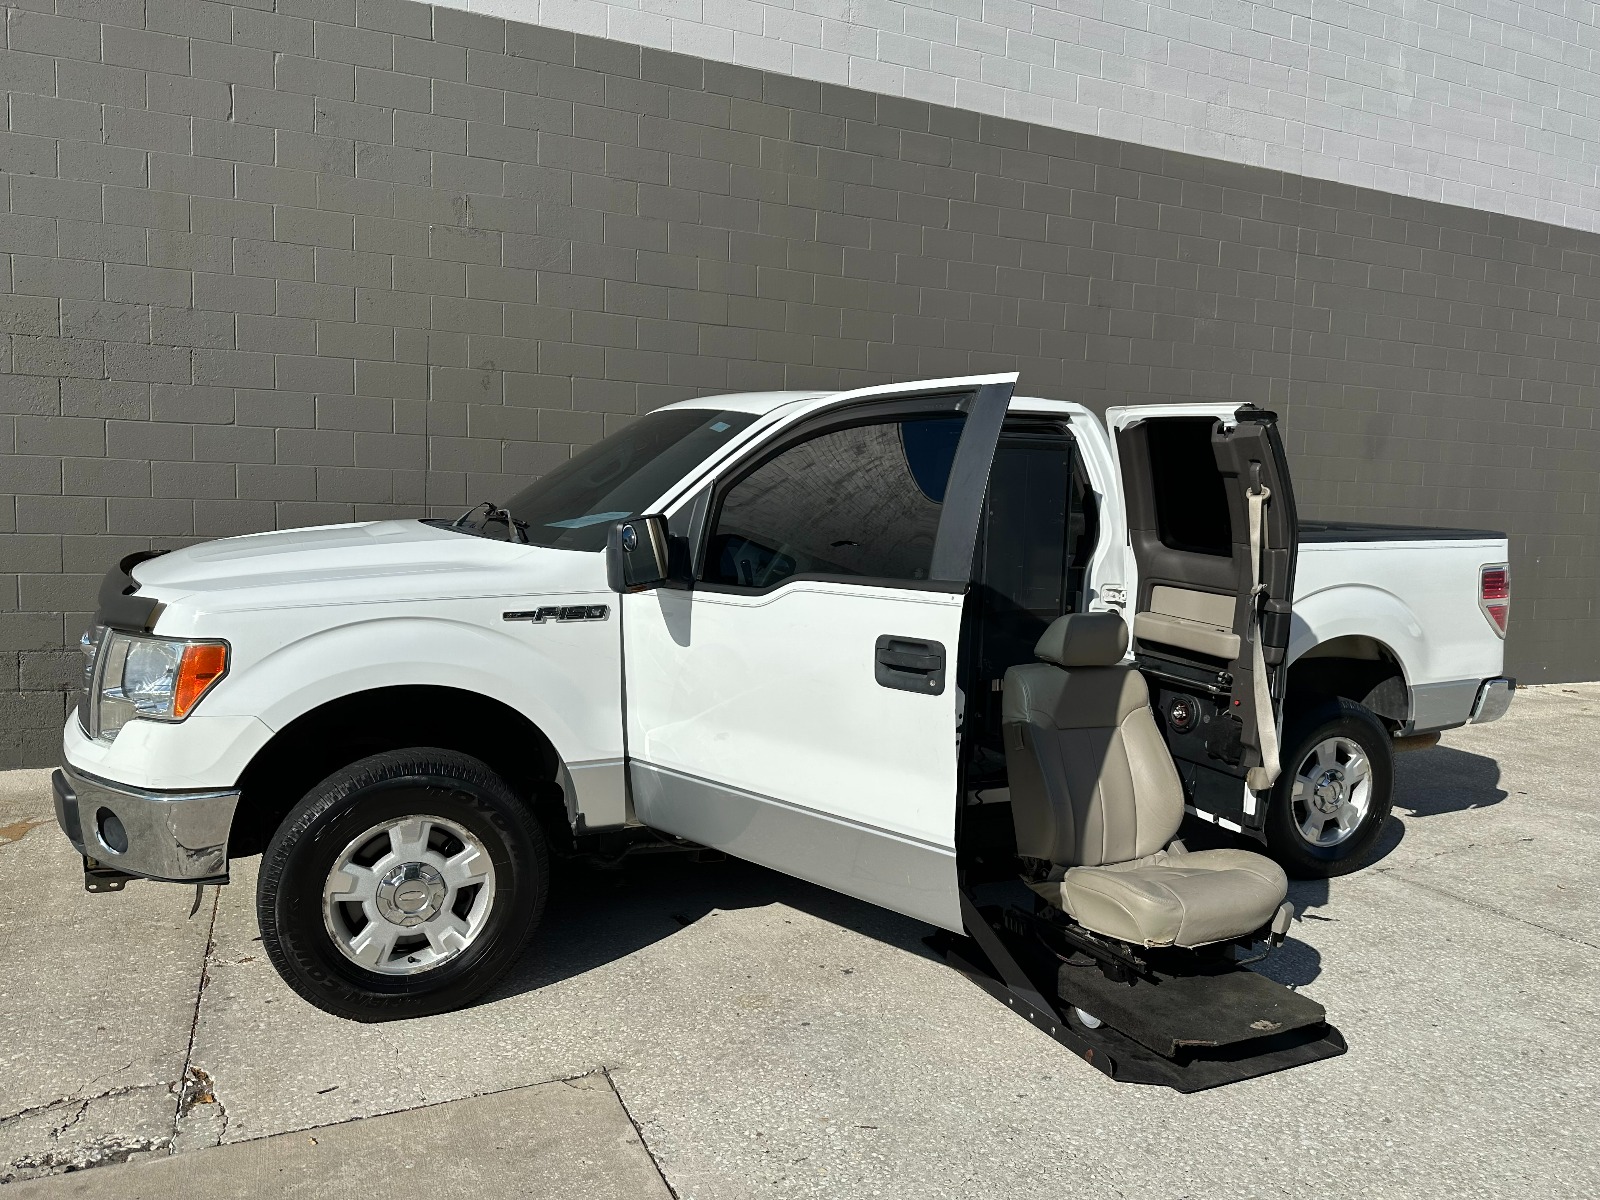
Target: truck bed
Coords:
[(1414, 591)]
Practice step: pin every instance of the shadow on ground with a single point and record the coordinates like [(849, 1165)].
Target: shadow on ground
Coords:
[(1430, 783), (1427, 783), (599, 915)]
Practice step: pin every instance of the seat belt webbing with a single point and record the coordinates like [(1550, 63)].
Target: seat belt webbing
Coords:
[(1263, 777)]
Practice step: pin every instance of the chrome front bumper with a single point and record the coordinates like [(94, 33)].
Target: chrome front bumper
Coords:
[(1494, 697), (180, 837)]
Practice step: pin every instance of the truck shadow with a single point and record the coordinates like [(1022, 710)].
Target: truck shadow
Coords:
[(596, 917), (599, 916), (1428, 783)]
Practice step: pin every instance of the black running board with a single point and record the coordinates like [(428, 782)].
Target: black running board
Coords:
[(1113, 1053)]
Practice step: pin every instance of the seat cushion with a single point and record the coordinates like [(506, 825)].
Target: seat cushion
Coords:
[(1173, 897)]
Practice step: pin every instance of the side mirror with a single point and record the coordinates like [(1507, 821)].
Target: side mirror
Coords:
[(636, 554)]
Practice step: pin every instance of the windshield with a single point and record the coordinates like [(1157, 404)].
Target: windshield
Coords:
[(571, 507)]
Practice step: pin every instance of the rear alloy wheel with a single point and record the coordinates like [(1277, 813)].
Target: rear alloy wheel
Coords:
[(403, 885), (1334, 794)]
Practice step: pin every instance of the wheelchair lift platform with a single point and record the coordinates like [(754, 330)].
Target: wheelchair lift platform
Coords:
[(1190, 1027)]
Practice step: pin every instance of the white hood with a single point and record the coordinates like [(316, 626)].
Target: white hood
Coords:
[(372, 560)]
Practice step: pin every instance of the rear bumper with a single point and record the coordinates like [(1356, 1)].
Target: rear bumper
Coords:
[(180, 837), (1494, 697), (1456, 702)]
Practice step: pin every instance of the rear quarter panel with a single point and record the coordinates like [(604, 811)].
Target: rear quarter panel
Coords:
[(1419, 598)]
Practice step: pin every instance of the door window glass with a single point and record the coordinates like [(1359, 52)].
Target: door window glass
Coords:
[(861, 501), (1039, 531), (1190, 495)]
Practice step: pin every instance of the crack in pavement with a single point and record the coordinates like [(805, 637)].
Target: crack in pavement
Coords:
[(418, 1107), (62, 1155), (189, 1076), (1482, 906), (72, 1120), (639, 1129), (34, 1110)]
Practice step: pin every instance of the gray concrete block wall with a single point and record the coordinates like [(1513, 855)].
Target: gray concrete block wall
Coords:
[(335, 261), (1490, 104)]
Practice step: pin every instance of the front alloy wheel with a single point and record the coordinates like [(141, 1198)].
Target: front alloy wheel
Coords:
[(408, 895), (405, 884)]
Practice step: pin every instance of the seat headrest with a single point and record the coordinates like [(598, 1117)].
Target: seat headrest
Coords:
[(1097, 639)]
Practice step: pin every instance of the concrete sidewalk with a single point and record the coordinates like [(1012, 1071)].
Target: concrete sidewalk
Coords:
[(551, 1141), (771, 1039)]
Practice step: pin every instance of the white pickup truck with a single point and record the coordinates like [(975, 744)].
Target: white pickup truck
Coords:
[(776, 625)]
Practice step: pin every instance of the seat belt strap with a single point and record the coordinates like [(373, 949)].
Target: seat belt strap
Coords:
[(1263, 777)]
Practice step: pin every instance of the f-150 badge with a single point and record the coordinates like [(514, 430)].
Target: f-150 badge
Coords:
[(567, 612)]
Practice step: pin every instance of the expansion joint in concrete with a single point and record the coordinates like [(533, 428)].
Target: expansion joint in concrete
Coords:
[(639, 1129), (194, 1086)]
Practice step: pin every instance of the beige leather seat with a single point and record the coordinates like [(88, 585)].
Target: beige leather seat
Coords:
[(1094, 795)]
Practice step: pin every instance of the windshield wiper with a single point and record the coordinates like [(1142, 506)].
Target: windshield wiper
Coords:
[(516, 531)]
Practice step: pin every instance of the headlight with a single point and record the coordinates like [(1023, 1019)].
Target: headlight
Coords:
[(158, 679), (89, 644)]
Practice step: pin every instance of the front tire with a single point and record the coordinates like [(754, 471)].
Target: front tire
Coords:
[(1334, 794), (403, 885)]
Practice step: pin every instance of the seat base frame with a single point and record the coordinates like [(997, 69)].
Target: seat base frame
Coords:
[(1207, 1046)]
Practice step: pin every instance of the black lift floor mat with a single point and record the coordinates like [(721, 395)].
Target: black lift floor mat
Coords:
[(1300, 1035), (1222, 1004)]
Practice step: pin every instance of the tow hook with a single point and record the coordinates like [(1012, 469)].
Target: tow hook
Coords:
[(97, 877)]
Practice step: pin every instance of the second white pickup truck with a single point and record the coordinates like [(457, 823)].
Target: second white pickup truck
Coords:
[(779, 625)]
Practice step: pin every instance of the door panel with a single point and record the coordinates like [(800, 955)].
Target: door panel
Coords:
[(794, 705), (1188, 472), (776, 698)]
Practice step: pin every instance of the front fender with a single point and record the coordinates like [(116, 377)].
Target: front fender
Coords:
[(567, 684)]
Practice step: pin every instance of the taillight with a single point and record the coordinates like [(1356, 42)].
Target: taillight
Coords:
[(1494, 595)]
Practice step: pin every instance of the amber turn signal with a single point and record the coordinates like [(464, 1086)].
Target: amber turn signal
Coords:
[(203, 664)]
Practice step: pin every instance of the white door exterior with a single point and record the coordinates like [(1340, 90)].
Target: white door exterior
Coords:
[(798, 706)]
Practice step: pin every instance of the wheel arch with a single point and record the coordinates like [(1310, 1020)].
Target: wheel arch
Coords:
[(1355, 640), (1354, 666), (354, 726)]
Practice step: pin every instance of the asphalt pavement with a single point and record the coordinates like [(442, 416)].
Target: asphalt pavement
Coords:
[(716, 1030)]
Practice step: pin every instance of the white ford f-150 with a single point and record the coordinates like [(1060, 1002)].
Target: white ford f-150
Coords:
[(780, 625)]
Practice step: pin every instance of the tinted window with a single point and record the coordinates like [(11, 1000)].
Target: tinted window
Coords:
[(1191, 497), (858, 501), (1027, 542), (1039, 534), (571, 507)]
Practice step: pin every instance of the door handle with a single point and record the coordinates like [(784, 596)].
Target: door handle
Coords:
[(909, 664)]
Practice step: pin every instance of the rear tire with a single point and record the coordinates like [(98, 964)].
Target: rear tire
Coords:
[(1330, 803), (403, 885)]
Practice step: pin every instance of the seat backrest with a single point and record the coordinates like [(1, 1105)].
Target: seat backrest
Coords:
[(1091, 779)]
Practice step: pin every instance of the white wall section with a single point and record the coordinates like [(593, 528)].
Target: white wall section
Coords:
[(1493, 104)]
